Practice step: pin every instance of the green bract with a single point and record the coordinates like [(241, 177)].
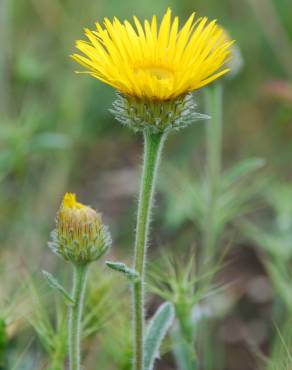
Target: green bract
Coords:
[(156, 116), (82, 250)]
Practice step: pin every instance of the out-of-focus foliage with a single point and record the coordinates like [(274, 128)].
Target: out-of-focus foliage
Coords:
[(187, 198), (274, 237)]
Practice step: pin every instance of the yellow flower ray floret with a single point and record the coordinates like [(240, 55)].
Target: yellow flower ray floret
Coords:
[(70, 201), (155, 63)]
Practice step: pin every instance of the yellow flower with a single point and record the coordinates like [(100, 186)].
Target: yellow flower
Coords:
[(80, 235), (70, 201), (151, 62)]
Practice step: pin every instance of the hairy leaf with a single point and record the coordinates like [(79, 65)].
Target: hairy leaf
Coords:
[(156, 332)]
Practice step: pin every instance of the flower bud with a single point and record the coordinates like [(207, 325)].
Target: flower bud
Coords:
[(80, 236)]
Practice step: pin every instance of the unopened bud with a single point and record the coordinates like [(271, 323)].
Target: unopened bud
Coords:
[(80, 236)]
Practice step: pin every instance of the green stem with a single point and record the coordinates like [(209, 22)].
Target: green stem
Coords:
[(57, 363), (3, 344), (5, 40), (186, 329), (214, 103), (153, 144), (214, 157), (75, 315), (58, 357)]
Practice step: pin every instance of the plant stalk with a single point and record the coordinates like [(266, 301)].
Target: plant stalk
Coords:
[(214, 96), (75, 315), (186, 337), (57, 363), (153, 144), (5, 40), (3, 344), (214, 106)]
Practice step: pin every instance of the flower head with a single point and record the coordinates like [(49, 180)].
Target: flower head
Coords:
[(155, 62), (80, 235)]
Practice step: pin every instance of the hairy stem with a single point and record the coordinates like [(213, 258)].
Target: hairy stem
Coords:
[(75, 315), (153, 144)]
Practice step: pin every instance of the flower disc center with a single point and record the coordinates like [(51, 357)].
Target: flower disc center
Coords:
[(160, 72)]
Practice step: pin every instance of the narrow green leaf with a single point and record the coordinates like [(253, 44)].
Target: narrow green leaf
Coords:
[(122, 267), (156, 332), (242, 169), (53, 283)]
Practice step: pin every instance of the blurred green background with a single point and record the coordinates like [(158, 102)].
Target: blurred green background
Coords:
[(57, 135)]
